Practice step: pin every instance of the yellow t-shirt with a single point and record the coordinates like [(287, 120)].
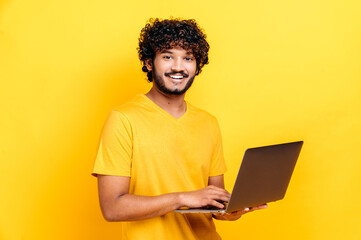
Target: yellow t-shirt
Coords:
[(162, 154)]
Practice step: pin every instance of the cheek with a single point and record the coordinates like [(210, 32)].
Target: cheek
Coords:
[(193, 69), (162, 68)]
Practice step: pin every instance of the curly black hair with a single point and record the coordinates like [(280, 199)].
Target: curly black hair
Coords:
[(158, 35)]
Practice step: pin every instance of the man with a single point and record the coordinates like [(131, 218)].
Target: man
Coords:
[(157, 152)]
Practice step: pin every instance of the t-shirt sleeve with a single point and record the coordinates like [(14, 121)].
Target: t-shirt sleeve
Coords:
[(115, 147), (218, 165)]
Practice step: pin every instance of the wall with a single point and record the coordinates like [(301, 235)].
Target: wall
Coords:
[(279, 71)]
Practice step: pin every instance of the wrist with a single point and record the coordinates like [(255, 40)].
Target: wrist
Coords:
[(179, 200)]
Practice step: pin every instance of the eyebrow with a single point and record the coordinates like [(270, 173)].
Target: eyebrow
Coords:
[(170, 52), (166, 51)]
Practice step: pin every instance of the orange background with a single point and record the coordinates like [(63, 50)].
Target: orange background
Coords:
[(279, 71)]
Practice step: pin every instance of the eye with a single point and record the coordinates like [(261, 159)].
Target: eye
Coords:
[(189, 59), (167, 57)]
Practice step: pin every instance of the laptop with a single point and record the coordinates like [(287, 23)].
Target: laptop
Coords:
[(263, 177)]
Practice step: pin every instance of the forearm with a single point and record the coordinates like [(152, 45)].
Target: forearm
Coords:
[(130, 207), (118, 205)]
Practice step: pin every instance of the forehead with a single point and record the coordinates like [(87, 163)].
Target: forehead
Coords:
[(176, 50)]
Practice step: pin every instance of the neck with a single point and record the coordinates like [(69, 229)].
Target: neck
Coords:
[(173, 104)]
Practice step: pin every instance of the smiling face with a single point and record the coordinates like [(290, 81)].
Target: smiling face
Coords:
[(173, 70)]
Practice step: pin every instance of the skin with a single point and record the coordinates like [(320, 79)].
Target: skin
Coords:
[(118, 205), (167, 61), (115, 201)]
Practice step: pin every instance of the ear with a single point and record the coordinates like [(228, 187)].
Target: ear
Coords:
[(149, 64)]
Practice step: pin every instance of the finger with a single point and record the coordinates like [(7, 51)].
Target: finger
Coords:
[(219, 197), (247, 210), (263, 206), (216, 204), (223, 196), (219, 193), (239, 212), (219, 213), (234, 215), (211, 187)]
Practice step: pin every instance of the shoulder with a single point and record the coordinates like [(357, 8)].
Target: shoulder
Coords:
[(134, 108), (133, 105), (122, 114)]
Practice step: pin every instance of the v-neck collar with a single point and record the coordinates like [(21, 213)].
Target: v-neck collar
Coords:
[(164, 112)]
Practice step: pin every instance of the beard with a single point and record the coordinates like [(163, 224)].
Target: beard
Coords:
[(159, 81)]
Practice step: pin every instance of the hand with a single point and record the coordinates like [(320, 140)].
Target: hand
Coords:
[(237, 214), (204, 197)]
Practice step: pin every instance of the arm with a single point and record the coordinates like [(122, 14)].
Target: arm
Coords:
[(118, 205), (217, 181)]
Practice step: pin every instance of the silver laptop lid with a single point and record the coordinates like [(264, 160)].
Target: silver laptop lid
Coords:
[(264, 175)]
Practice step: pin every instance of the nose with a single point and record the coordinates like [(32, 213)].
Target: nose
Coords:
[(178, 65)]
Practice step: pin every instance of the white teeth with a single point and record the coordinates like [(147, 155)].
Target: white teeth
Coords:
[(176, 77)]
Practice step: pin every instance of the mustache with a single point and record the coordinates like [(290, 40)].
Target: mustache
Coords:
[(173, 73)]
